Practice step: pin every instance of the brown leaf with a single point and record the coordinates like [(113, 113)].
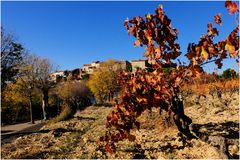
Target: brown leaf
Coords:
[(108, 148), (131, 137)]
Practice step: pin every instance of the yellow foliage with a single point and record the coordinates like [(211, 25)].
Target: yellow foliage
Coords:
[(103, 81), (231, 50), (13, 93), (204, 54)]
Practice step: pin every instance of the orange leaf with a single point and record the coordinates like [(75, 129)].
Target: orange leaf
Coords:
[(231, 6), (108, 148), (197, 49), (137, 42)]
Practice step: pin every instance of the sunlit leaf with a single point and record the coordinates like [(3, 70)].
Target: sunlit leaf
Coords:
[(204, 54), (231, 50), (158, 53), (137, 42), (149, 16)]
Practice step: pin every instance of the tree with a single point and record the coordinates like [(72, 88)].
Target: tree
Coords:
[(35, 74), (103, 80), (147, 89), (229, 73), (12, 100), (15, 97), (43, 69), (74, 95), (12, 54)]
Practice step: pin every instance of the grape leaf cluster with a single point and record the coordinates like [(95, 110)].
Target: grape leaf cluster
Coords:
[(152, 88)]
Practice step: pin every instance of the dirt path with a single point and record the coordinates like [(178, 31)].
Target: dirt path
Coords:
[(13, 131)]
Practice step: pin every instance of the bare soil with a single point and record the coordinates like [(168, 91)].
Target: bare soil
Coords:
[(78, 137)]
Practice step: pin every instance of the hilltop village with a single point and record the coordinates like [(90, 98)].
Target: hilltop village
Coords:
[(88, 69)]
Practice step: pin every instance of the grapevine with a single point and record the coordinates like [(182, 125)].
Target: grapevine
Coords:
[(146, 89)]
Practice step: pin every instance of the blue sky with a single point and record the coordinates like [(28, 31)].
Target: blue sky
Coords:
[(75, 33)]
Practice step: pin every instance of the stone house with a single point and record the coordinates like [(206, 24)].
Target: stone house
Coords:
[(143, 64)]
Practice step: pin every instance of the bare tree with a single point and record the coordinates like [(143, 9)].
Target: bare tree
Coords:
[(43, 69), (38, 71)]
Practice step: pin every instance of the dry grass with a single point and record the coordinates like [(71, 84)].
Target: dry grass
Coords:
[(205, 88)]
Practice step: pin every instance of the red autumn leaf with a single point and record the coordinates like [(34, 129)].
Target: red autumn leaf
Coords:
[(231, 6), (108, 148), (217, 19), (114, 117)]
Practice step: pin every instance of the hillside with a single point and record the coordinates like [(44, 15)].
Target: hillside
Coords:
[(215, 123)]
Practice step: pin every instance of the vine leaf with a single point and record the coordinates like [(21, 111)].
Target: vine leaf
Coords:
[(204, 54), (231, 6), (108, 148), (137, 42), (217, 19), (231, 50)]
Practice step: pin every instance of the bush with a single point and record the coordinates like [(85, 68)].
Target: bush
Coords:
[(229, 73), (64, 115), (74, 95)]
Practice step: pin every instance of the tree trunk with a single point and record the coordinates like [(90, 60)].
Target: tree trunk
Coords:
[(43, 110), (181, 120), (31, 112), (45, 103)]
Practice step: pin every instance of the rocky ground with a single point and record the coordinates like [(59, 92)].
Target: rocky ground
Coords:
[(215, 122)]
